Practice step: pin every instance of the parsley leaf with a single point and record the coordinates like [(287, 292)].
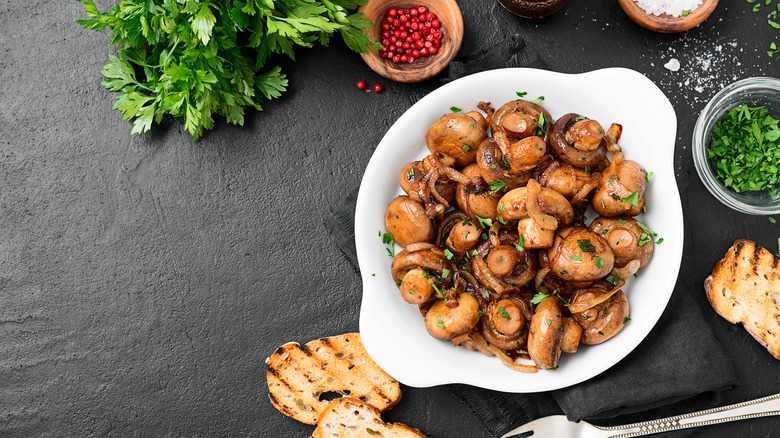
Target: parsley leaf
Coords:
[(498, 185), (539, 297), (484, 223), (586, 245), (520, 245), (632, 199), (503, 312)]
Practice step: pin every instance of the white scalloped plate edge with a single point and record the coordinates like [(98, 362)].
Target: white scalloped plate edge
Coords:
[(393, 331)]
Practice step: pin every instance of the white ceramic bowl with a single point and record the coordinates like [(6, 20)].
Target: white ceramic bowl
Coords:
[(394, 332)]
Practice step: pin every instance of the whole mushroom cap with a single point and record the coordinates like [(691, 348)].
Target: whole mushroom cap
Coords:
[(406, 220), (458, 135)]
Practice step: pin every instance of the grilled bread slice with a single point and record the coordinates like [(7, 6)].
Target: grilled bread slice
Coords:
[(349, 417), (299, 375), (745, 288)]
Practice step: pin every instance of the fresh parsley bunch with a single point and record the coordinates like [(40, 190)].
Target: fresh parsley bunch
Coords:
[(193, 59)]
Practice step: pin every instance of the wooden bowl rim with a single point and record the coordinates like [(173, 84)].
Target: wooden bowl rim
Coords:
[(665, 23), (410, 73)]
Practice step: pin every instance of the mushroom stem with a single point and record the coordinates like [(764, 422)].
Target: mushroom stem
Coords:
[(544, 220)]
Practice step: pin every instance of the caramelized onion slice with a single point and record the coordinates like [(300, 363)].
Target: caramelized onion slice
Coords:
[(593, 302), (414, 247), (485, 276), (540, 277), (630, 269), (506, 360)]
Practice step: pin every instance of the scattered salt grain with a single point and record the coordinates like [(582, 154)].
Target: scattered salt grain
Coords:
[(674, 8), (673, 64)]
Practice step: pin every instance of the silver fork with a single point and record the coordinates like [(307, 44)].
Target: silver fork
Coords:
[(558, 426)]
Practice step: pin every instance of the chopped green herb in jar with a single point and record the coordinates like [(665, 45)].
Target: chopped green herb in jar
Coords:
[(744, 149)]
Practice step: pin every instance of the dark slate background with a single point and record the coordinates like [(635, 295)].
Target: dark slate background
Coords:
[(144, 279)]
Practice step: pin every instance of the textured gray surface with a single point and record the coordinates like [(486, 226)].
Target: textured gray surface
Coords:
[(144, 279)]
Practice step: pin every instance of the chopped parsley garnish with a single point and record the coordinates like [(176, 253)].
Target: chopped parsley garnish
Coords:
[(387, 239), (439, 323), (586, 245), (487, 294), (503, 208), (540, 124), (601, 333), (599, 262), (539, 297), (563, 299), (455, 109), (498, 185), (772, 220), (492, 166), (628, 318), (501, 220), (475, 252), (520, 245), (466, 147), (577, 258), (602, 204), (538, 99), (587, 169), (622, 221), (438, 292), (505, 163), (686, 12), (484, 223), (447, 253), (632, 199), (659, 241), (549, 322), (648, 175), (647, 235), (503, 312), (612, 280), (480, 313), (743, 149), (521, 93), (411, 291), (445, 273), (472, 126)]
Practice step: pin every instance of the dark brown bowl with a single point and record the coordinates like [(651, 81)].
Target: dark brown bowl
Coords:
[(666, 23), (447, 12), (533, 8)]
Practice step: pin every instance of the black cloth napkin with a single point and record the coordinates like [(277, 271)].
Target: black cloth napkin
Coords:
[(680, 367)]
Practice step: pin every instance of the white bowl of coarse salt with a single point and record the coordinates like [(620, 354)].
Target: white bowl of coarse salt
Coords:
[(668, 16)]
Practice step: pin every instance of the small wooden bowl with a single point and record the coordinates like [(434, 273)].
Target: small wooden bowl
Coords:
[(446, 11), (666, 23)]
